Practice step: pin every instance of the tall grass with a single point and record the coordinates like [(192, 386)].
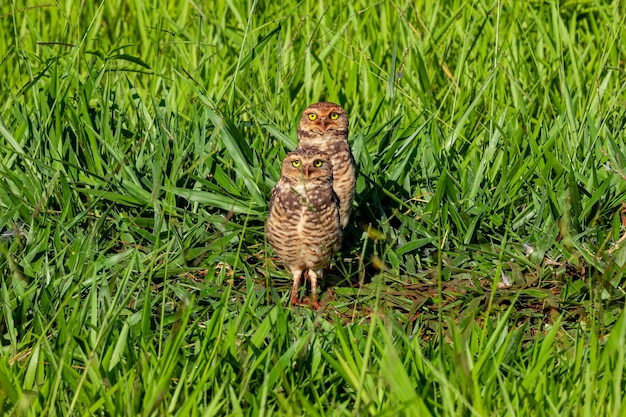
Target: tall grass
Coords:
[(482, 272)]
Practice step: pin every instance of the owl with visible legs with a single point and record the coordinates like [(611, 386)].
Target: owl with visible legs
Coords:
[(303, 225), (324, 126)]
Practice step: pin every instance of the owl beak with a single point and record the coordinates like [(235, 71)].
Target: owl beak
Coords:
[(323, 122), (306, 172)]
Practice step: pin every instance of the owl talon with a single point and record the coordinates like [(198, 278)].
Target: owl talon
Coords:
[(294, 300), (313, 279), (294, 289)]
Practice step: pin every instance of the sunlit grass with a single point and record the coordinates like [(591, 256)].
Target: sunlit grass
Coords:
[(482, 272)]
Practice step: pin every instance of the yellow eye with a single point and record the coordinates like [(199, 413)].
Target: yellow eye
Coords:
[(296, 163), (334, 116), (318, 163), (312, 116)]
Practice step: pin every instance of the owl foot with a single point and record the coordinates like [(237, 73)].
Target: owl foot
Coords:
[(294, 298), (297, 274)]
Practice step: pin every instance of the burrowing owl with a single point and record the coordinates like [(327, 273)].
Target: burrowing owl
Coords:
[(325, 126), (303, 224)]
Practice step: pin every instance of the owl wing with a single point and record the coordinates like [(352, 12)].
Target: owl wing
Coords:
[(273, 198)]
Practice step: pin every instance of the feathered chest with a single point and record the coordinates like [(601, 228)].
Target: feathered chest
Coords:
[(300, 198)]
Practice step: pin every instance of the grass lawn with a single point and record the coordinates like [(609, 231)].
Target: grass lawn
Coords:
[(482, 272)]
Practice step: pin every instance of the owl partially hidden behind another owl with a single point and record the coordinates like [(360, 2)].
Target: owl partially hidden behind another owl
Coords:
[(303, 225), (324, 126)]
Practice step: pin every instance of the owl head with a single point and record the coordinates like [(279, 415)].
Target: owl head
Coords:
[(309, 164), (322, 119)]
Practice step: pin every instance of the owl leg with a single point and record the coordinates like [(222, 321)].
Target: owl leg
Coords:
[(297, 274), (313, 279)]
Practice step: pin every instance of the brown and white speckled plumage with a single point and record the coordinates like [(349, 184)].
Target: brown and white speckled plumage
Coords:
[(303, 224), (325, 126)]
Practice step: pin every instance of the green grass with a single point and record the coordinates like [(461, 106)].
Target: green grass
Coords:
[(482, 274)]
